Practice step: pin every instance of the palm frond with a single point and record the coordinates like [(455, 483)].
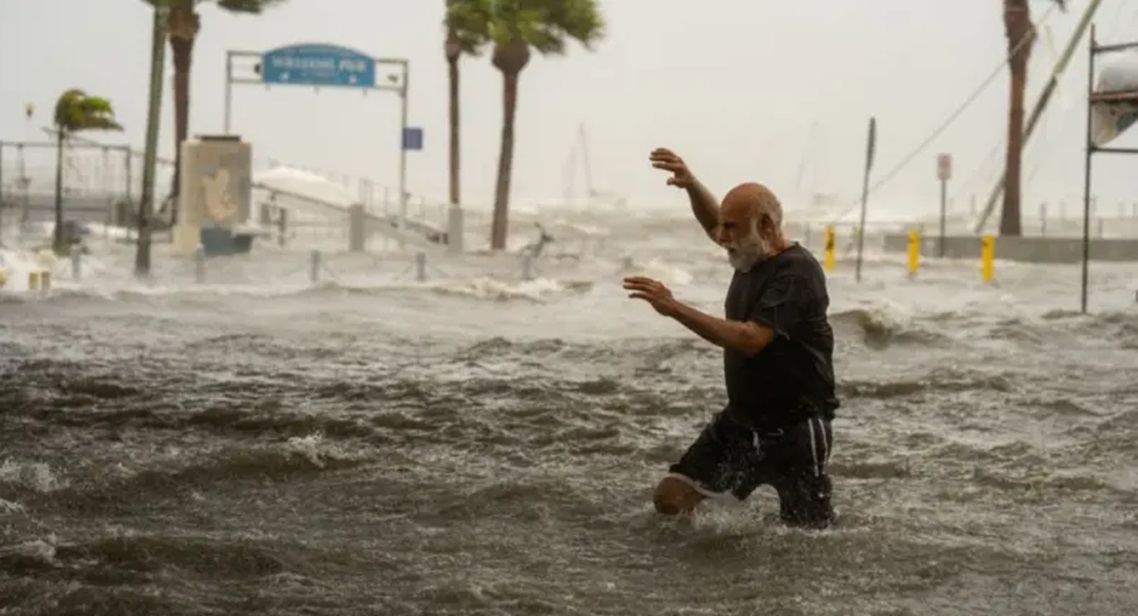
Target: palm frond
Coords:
[(254, 7), (470, 20), (76, 111), (579, 20), (547, 25)]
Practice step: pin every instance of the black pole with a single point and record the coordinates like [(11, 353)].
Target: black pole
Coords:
[(943, 197), (870, 146), (1087, 170), (1, 193), (129, 187), (57, 236)]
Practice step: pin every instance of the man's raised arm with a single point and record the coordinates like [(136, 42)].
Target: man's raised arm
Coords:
[(705, 207), (703, 204)]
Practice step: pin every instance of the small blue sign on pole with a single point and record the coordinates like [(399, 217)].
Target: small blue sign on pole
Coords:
[(412, 139), (318, 65)]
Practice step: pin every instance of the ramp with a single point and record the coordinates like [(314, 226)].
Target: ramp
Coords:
[(294, 189)]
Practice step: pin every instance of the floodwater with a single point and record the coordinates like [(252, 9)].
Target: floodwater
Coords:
[(478, 444)]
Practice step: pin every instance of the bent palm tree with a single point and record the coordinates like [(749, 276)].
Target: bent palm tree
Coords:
[(75, 111), (1021, 36), (183, 25), (516, 27), (466, 33)]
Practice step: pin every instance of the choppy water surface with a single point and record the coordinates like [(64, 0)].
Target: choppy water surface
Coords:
[(466, 446)]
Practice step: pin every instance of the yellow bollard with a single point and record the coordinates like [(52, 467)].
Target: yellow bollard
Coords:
[(914, 251), (3, 279), (45, 281), (828, 251), (33, 281), (987, 255)]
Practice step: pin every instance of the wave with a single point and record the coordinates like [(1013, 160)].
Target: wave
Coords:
[(882, 326), (120, 487), (133, 557), (536, 290), (482, 288), (657, 269), (940, 379)]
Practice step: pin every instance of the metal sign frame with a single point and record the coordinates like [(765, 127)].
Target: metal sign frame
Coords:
[(349, 69), (1092, 149)]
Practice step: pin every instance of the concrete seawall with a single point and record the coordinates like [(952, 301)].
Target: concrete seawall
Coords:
[(1026, 249)]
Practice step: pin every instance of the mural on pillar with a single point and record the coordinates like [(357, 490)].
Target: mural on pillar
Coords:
[(1110, 120), (225, 186)]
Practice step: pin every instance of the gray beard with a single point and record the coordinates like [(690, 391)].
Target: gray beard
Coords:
[(749, 253)]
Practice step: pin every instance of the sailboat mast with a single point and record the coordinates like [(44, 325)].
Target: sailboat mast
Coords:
[(808, 155), (585, 158)]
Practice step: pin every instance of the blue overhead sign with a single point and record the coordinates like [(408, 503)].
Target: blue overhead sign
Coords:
[(318, 65)]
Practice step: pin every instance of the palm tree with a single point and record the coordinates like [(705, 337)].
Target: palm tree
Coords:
[(1021, 36), (516, 27), (466, 33), (183, 25), (75, 111)]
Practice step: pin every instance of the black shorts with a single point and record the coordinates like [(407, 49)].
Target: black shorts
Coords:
[(731, 458)]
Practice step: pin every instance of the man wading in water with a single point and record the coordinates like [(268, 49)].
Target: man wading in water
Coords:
[(777, 359)]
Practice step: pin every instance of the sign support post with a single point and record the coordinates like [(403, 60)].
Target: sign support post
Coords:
[(944, 174), (870, 147), (320, 65)]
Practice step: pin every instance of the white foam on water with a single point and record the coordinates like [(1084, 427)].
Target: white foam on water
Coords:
[(484, 287), (36, 476), (662, 271)]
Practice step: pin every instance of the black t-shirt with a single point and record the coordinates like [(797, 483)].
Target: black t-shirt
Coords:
[(793, 377)]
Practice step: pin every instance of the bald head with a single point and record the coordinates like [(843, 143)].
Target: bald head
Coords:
[(750, 224), (753, 202)]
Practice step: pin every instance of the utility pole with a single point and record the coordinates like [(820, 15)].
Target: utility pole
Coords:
[(154, 111), (1041, 104)]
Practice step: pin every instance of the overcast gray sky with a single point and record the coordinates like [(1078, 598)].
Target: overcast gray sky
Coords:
[(735, 87)]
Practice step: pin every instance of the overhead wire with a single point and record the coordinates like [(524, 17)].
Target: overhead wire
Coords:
[(953, 116), (1047, 130)]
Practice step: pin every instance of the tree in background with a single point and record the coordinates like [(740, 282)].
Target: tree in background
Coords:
[(516, 27), (75, 111), (182, 27), (1021, 36), (467, 32)]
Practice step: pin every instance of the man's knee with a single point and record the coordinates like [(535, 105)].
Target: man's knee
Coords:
[(675, 496)]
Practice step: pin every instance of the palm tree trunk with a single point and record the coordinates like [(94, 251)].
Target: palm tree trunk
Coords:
[(505, 162), (455, 174), (57, 236), (182, 28), (1017, 23), (182, 49), (153, 112)]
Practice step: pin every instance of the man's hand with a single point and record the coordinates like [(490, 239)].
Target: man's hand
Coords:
[(663, 158), (744, 336), (653, 292)]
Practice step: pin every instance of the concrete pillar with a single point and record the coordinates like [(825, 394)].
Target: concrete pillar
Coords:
[(215, 189), (76, 263), (454, 230), (282, 226), (421, 266), (199, 263), (314, 266), (527, 266), (356, 225)]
